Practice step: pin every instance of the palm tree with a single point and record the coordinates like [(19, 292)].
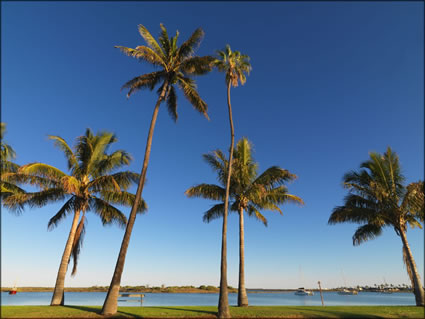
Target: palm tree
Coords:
[(249, 193), (92, 185), (234, 65), (7, 155), (176, 64), (377, 199)]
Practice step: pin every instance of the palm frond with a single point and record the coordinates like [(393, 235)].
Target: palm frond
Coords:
[(344, 214), (110, 162), (8, 167), (8, 189), (217, 160), (12, 197), (106, 182), (172, 103), (118, 181), (125, 199), (99, 145), (191, 44), (197, 65), (188, 87), (20, 178), (413, 201), (151, 42), (17, 201), (274, 176), (164, 40), (108, 214), (208, 191), (145, 81), (67, 208), (78, 243), (6, 151), (214, 212), (42, 170), (66, 149), (365, 233), (253, 212), (143, 53)]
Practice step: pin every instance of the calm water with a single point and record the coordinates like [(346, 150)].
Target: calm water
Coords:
[(255, 299)]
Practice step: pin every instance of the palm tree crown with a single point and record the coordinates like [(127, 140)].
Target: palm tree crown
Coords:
[(234, 64), (176, 64), (377, 199), (248, 190)]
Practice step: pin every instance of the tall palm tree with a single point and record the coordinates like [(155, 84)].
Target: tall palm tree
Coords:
[(176, 65), (234, 65), (92, 185), (7, 155), (249, 192), (377, 199)]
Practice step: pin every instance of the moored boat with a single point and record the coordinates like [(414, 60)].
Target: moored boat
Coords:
[(348, 292), (302, 292), (13, 291)]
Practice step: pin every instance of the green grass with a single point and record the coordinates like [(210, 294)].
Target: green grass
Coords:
[(211, 311)]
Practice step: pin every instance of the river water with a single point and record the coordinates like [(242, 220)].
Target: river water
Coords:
[(194, 299)]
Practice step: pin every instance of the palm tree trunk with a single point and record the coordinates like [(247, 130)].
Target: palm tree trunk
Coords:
[(416, 280), (111, 302), (242, 296), (58, 298), (223, 301)]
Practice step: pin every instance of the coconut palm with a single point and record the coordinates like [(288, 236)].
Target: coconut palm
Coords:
[(378, 199), (7, 155), (249, 192), (234, 65), (176, 66), (93, 184)]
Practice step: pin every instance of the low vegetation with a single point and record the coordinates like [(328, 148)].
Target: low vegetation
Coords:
[(211, 311)]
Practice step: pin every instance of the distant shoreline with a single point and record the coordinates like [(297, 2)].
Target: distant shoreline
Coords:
[(185, 289)]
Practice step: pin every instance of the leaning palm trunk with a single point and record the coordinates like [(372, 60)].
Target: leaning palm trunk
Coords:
[(58, 293), (111, 302), (413, 272), (242, 296), (223, 302)]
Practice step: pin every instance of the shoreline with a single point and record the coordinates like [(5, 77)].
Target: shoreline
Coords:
[(206, 290)]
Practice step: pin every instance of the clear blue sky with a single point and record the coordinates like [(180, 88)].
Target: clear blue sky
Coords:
[(330, 82)]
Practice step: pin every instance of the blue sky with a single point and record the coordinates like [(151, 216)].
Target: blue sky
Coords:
[(330, 83)]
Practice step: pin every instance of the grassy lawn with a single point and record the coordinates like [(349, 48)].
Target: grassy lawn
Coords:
[(210, 312)]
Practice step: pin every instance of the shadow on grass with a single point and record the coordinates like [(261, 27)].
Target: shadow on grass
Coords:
[(336, 313), (189, 310), (121, 313), (98, 311)]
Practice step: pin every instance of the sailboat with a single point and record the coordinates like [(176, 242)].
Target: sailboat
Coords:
[(348, 292), (302, 292), (345, 291)]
